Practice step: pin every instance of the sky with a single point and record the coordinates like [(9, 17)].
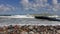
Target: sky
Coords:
[(29, 6)]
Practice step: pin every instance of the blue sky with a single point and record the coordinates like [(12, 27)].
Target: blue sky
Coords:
[(29, 6)]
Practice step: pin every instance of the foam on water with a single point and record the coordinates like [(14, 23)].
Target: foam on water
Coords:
[(26, 21), (18, 16)]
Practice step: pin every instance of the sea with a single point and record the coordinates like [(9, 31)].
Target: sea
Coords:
[(26, 21)]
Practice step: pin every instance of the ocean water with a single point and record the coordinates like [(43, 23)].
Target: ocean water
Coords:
[(30, 21)]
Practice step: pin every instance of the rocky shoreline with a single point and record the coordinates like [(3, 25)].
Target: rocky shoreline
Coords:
[(30, 29)]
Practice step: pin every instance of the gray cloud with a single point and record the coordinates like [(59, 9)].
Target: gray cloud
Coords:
[(38, 4)]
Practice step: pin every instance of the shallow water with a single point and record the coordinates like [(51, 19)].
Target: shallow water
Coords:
[(31, 21)]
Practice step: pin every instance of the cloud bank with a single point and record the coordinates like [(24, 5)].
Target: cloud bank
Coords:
[(7, 7), (37, 5)]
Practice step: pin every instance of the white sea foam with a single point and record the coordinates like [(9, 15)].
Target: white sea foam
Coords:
[(56, 16), (25, 20), (18, 16)]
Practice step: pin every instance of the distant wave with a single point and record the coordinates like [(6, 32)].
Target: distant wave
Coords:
[(18, 16), (54, 16)]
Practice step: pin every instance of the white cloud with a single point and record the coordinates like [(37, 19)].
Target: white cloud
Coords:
[(6, 7), (38, 4), (28, 5), (54, 1)]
